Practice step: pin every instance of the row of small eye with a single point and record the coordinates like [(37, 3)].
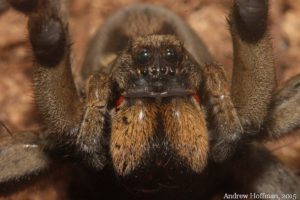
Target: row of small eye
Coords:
[(154, 70)]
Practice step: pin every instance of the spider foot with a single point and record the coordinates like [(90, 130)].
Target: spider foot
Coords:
[(250, 17), (25, 6), (48, 38), (47, 29)]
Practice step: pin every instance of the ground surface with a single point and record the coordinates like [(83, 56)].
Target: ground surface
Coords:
[(207, 17)]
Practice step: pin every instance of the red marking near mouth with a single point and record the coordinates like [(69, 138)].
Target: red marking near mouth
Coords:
[(197, 98), (119, 101)]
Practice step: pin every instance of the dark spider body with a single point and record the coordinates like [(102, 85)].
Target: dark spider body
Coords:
[(158, 118)]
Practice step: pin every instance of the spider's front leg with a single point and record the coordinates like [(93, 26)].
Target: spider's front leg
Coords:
[(54, 88), (253, 78), (222, 116), (22, 158), (284, 114)]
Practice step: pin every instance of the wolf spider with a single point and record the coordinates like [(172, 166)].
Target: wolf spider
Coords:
[(157, 118)]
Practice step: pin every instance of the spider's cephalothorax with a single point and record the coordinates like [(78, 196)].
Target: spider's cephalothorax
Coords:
[(157, 113)]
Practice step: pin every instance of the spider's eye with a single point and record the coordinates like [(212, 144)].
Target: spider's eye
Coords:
[(170, 54), (143, 56)]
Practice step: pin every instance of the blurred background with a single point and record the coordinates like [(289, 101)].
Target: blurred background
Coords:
[(206, 17)]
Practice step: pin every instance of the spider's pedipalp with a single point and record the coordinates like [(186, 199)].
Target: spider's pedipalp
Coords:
[(92, 136), (222, 118)]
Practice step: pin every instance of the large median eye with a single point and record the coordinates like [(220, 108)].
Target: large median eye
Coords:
[(143, 56), (170, 54)]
